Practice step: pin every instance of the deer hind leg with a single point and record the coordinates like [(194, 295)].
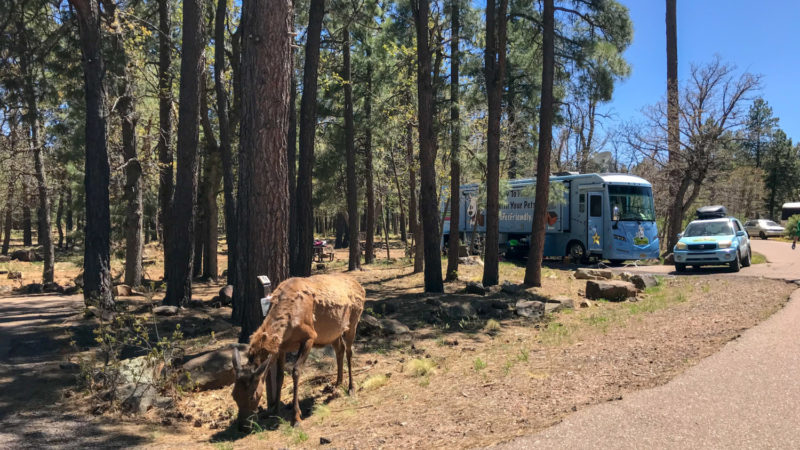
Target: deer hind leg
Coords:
[(339, 348), (302, 355), (348, 338)]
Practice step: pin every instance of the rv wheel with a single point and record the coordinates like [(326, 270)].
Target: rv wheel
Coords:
[(577, 252)]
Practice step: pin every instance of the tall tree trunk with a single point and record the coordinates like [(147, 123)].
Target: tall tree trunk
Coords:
[(455, 142), (27, 232), (184, 202), (59, 218), (96, 259), (225, 145), (511, 114), (308, 126), (211, 184), (369, 250), (133, 171), (675, 216), (291, 161), (413, 205), (427, 154), (9, 216), (495, 61), (533, 270), (354, 261), (166, 184), (68, 220), (263, 213), (399, 198)]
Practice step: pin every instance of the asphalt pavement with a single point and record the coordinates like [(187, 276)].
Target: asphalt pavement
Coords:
[(747, 395)]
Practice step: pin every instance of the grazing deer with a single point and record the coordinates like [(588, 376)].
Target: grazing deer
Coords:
[(306, 312)]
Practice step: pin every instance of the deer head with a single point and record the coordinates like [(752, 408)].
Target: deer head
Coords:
[(248, 387)]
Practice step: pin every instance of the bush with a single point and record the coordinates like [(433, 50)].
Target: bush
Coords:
[(421, 367), (791, 225)]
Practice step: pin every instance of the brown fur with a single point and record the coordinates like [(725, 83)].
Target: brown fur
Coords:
[(306, 312)]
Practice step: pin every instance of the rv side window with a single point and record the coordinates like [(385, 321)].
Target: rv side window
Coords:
[(582, 203), (596, 206)]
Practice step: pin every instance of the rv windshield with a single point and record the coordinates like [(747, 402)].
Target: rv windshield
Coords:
[(632, 202)]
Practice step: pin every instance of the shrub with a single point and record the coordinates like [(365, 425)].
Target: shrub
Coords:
[(374, 382), (421, 367)]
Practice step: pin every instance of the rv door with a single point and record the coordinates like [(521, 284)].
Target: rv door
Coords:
[(594, 227)]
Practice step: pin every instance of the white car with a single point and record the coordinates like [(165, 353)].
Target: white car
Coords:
[(763, 228)]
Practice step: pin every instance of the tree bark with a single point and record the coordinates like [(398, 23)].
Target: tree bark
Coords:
[(211, 184), (96, 260), (9, 216), (308, 126), (369, 246), (427, 154), (184, 202), (291, 161), (68, 220), (675, 217), (166, 184), (27, 232), (354, 260), (225, 140), (59, 219), (399, 198), (413, 206), (495, 58), (132, 190), (263, 213), (455, 142), (533, 270)]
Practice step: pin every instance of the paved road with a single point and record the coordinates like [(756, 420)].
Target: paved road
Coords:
[(745, 396)]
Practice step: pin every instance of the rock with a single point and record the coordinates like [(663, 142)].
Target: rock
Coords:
[(79, 280), (593, 274), (470, 261), (28, 255), (6, 289), (4, 258), (644, 281), (473, 287), (226, 295), (558, 304), (529, 308), (585, 303), (213, 370), (164, 402), (33, 288), (369, 326), (122, 290), (92, 311), (614, 290), (324, 441), (499, 304), (625, 276), (462, 251), (52, 286), (165, 310), (511, 288), (320, 266), (14, 275), (460, 311), (137, 398), (70, 290), (393, 327)]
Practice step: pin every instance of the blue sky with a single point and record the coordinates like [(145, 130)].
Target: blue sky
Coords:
[(759, 37)]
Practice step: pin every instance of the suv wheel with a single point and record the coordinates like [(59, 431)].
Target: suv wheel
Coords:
[(748, 259), (736, 264), (762, 235)]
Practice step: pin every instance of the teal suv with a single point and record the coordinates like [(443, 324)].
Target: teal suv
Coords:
[(713, 242)]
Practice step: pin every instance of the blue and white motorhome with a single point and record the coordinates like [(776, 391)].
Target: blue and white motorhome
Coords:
[(608, 216)]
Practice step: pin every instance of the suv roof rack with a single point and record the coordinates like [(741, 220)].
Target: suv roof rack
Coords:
[(712, 212)]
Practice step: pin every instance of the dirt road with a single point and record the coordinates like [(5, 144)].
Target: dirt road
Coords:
[(745, 396)]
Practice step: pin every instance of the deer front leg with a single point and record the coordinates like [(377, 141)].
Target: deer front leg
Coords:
[(305, 348), (275, 383)]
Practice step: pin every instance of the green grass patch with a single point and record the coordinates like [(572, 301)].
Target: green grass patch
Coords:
[(479, 364), (758, 258)]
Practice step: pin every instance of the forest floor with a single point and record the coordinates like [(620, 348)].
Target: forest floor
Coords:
[(454, 382)]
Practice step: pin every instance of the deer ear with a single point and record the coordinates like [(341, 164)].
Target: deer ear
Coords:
[(237, 360), (263, 366)]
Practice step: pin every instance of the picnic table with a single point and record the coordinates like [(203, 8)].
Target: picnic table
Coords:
[(322, 252)]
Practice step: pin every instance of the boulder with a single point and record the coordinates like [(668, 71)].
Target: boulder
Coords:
[(213, 370), (165, 310), (511, 288), (14, 275), (226, 295), (52, 286), (137, 398), (593, 274), (33, 288), (4, 258), (530, 308), (462, 251), (27, 255), (470, 261), (613, 290), (122, 290), (393, 327), (458, 311), (558, 304), (643, 281), (369, 326), (473, 287)]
